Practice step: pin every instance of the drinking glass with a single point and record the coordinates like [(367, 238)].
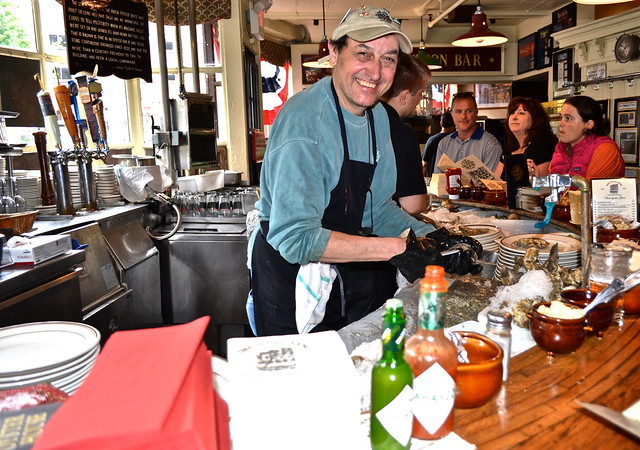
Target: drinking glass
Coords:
[(607, 262), (20, 201), (236, 205), (7, 203), (427, 182), (202, 204), (212, 204), (249, 199), (224, 203)]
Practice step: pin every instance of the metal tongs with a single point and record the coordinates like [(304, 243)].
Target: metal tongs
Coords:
[(613, 289)]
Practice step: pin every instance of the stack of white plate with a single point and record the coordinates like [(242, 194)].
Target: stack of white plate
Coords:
[(106, 183), (488, 235), (568, 250), (29, 189), (60, 353)]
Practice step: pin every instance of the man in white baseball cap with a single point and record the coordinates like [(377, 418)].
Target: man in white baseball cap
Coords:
[(328, 223)]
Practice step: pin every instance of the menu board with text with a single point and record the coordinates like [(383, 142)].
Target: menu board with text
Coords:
[(113, 36)]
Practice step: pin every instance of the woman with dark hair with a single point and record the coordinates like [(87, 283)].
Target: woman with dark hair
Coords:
[(528, 133), (585, 148)]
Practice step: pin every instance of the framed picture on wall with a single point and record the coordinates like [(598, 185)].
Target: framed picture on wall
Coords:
[(625, 124), (604, 106), (564, 18), (544, 47), (627, 140), (627, 119), (527, 53), (563, 67), (495, 95), (311, 75)]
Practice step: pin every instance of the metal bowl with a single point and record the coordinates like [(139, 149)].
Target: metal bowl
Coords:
[(232, 178)]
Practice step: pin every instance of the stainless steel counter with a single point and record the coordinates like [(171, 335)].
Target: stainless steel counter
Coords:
[(17, 278), (46, 291), (119, 278), (57, 224)]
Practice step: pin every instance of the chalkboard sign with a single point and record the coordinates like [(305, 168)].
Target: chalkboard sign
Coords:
[(18, 91), (114, 37)]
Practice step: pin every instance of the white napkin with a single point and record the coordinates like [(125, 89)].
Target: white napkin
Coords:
[(133, 183), (313, 287)]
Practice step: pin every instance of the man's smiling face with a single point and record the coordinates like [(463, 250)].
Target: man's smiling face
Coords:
[(363, 71)]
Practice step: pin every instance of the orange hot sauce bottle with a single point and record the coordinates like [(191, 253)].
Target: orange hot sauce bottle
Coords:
[(434, 361)]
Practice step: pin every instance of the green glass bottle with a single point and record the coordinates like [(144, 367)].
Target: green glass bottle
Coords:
[(391, 380)]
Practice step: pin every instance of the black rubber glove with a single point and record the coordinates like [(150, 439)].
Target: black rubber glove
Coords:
[(425, 251), (420, 253), (447, 240)]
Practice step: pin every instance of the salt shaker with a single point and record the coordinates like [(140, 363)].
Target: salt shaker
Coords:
[(499, 330)]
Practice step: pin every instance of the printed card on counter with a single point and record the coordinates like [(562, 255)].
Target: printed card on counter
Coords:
[(494, 185), (473, 170), (614, 197), (305, 381)]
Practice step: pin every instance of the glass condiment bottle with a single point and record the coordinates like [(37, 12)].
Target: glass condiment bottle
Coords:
[(453, 176), (499, 331), (391, 380), (434, 360)]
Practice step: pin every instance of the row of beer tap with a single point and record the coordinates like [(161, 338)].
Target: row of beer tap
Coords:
[(87, 91)]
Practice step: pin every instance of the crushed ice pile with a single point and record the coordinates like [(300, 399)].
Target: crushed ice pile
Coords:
[(532, 284)]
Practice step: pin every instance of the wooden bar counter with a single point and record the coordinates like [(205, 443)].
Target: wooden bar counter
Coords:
[(536, 406)]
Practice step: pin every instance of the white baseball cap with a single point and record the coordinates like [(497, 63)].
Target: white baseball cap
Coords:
[(368, 23)]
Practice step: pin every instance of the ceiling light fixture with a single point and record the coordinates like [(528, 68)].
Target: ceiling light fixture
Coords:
[(600, 2), (431, 61), (321, 59), (479, 35)]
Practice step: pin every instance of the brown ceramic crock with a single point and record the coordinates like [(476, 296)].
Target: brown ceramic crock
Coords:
[(556, 335), (599, 318), (479, 380), (494, 197)]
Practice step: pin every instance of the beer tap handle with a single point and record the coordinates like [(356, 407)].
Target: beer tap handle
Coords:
[(95, 89), (85, 98), (64, 103), (48, 113)]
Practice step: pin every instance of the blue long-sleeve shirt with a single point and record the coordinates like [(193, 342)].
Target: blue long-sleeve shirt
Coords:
[(302, 166)]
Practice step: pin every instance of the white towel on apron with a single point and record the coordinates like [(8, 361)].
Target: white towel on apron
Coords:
[(313, 288)]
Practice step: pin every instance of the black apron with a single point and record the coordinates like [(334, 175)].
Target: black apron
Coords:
[(360, 287)]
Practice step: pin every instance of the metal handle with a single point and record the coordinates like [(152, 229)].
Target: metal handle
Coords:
[(42, 288), (173, 230)]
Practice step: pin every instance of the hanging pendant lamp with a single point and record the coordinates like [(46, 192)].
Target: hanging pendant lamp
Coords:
[(431, 61), (479, 35), (600, 2), (321, 59)]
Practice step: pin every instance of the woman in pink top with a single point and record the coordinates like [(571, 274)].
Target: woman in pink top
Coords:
[(584, 147)]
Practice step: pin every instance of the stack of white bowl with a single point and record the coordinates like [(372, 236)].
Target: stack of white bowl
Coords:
[(60, 353), (106, 184)]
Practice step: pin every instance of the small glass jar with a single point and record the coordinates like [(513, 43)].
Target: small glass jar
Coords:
[(477, 193), (465, 192)]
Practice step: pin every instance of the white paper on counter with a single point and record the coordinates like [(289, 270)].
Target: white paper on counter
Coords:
[(293, 392), (614, 417)]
